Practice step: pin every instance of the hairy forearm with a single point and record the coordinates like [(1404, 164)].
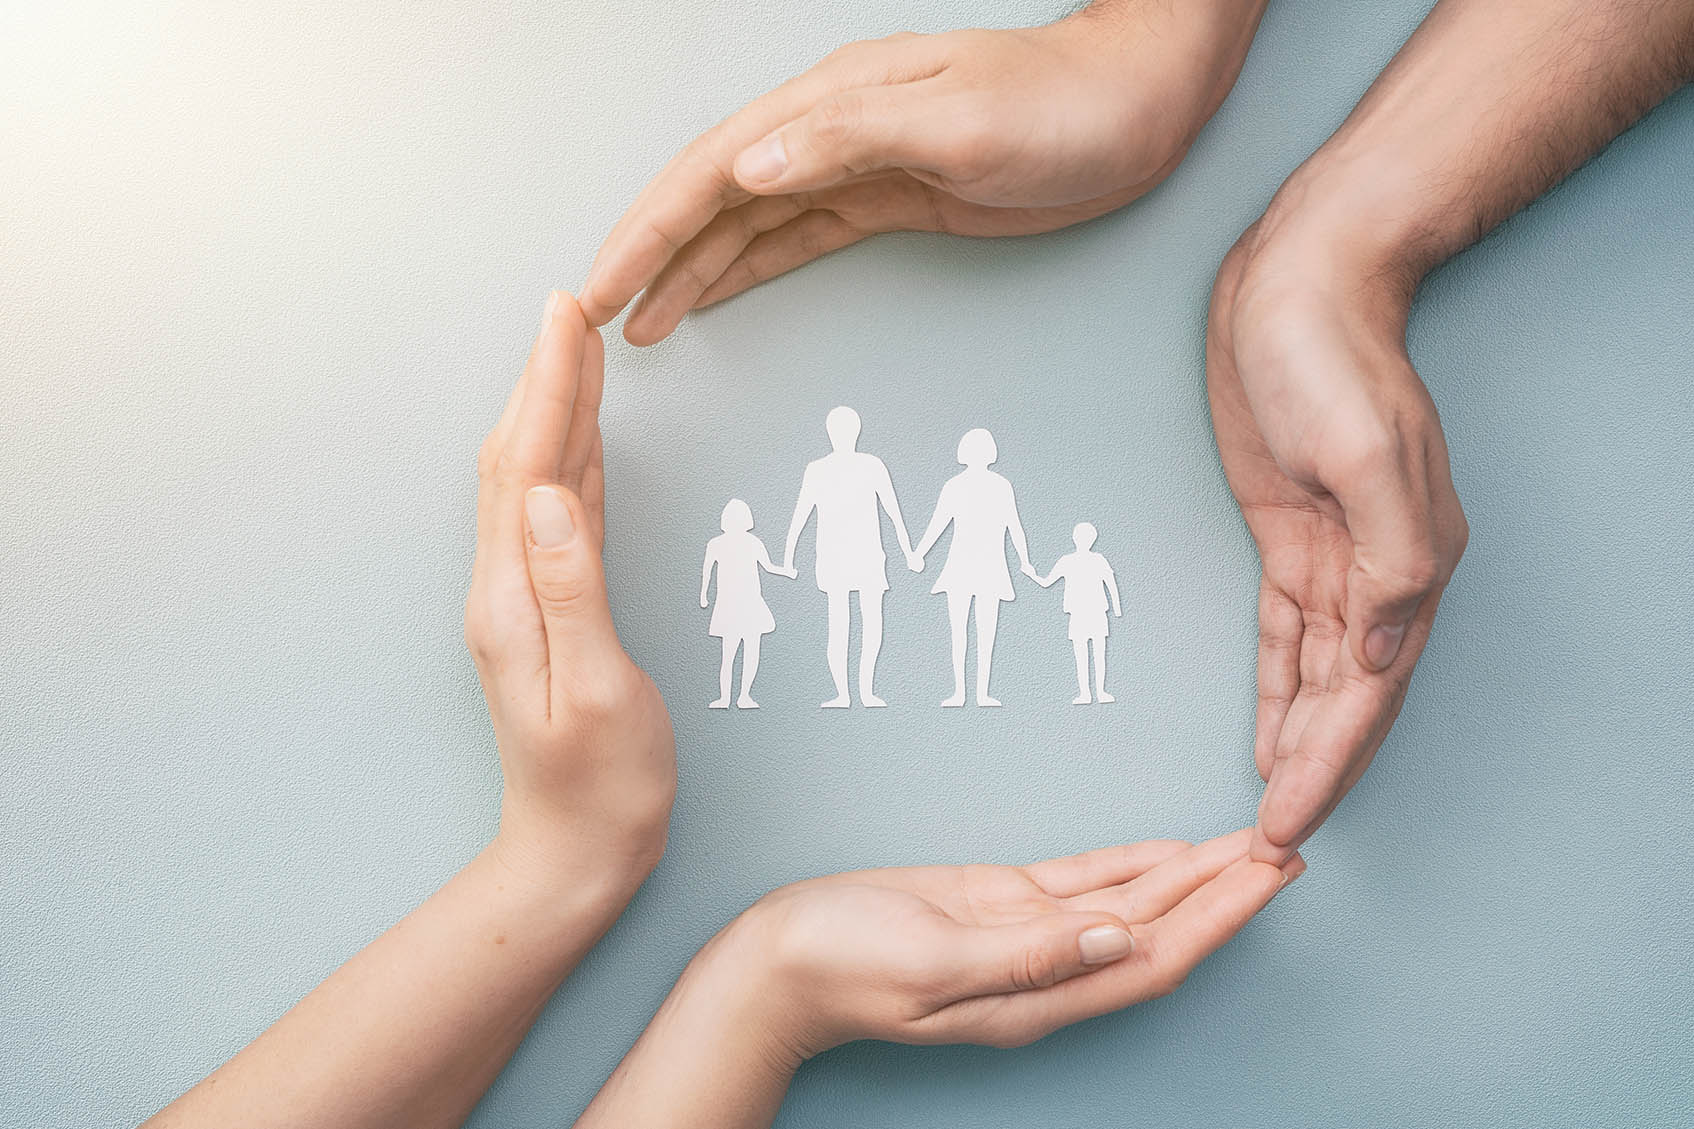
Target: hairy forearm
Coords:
[(1489, 104), (414, 1028)]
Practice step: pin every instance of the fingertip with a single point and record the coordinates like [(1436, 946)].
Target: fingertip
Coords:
[(1105, 943), (1263, 849), (1293, 868), (759, 166)]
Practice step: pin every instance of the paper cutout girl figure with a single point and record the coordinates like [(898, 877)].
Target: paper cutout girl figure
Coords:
[(741, 617), (1088, 580), (982, 510)]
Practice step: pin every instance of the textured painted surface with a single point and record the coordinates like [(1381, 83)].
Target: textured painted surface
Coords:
[(269, 270)]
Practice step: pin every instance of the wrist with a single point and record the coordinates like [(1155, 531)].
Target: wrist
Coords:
[(563, 876)]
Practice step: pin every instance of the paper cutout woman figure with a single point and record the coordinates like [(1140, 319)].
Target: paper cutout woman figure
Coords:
[(982, 510), (1088, 579), (741, 617)]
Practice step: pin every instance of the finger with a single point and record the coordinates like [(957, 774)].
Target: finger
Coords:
[(1108, 866), (853, 132), (1153, 893), (1164, 952), (569, 582), (1335, 745), (702, 262), (1280, 628), (537, 439), (1398, 558), (795, 243), (1038, 953), (698, 182), (584, 428)]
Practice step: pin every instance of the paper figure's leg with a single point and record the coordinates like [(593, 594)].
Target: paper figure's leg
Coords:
[(726, 672), (958, 612), (1100, 670), (749, 671), (839, 624), (870, 644), (1080, 648), (987, 621)]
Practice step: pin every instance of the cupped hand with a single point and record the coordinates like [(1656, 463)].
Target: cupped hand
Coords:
[(974, 132), (1334, 451), (998, 955), (585, 741)]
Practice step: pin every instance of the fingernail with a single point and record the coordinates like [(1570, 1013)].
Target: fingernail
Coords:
[(555, 303), (1292, 869), (763, 161), (549, 518), (1104, 944), (1383, 643)]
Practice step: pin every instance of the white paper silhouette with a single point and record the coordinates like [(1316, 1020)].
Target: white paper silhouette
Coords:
[(740, 617), (1088, 581), (980, 506), (846, 487)]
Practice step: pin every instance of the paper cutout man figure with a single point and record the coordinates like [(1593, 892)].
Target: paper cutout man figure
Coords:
[(982, 510), (845, 487), (741, 617), (1088, 580)]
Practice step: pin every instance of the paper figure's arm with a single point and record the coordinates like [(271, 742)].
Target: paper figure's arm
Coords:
[(803, 506), (1014, 525), (1046, 581), (903, 958), (937, 525), (764, 559), (885, 493), (1112, 586), (411, 1031), (706, 576)]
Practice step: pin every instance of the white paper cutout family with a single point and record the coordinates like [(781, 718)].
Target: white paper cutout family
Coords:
[(849, 489)]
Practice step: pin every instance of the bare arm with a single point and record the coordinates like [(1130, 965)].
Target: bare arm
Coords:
[(937, 525), (1014, 525), (1331, 443), (1112, 587), (411, 1031), (706, 576)]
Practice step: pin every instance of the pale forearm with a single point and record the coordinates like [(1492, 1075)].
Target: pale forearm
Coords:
[(1488, 105), (713, 1057), (414, 1028)]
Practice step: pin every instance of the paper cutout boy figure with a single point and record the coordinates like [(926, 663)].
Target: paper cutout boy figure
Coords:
[(741, 617), (1088, 580), (846, 487)]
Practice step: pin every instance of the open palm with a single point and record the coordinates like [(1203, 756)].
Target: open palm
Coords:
[(990, 954)]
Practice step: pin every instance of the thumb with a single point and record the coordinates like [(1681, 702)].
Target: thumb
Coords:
[(565, 573), (1395, 566), (1038, 953), (844, 136)]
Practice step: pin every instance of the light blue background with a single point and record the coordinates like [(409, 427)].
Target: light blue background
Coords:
[(269, 271)]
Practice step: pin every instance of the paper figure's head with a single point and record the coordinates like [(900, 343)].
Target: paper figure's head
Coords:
[(843, 427), (1083, 536), (737, 517), (977, 448)]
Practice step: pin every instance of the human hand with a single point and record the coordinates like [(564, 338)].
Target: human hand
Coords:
[(1334, 451), (973, 132), (585, 741), (999, 955)]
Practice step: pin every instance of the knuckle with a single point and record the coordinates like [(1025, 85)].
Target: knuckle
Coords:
[(837, 120), (1034, 967)]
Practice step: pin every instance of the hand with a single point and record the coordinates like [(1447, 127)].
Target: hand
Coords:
[(585, 742), (1334, 451), (1029, 571), (789, 572), (914, 562), (968, 132), (999, 955), (703, 601)]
